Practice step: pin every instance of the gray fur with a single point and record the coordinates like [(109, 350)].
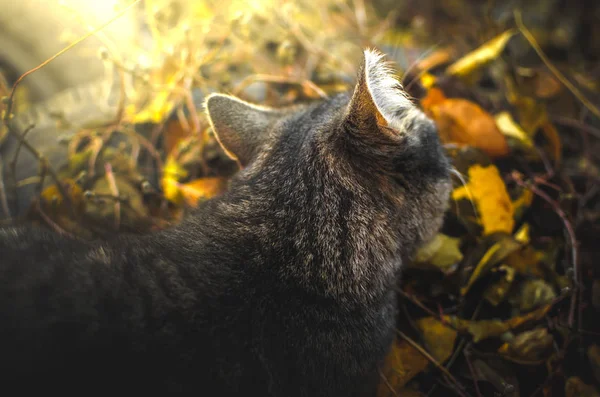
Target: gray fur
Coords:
[(283, 286)]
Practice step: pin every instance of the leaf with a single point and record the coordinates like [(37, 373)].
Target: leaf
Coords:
[(442, 251), (510, 128), (485, 329), (438, 337), (203, 188), (575, 387), (461, 121), (53, 203), (528, 347), (173, 172), (481, 56), (534, 293), (494, 255), (494, 205), (435, 59), (497, 292), (546, 85), (526, 262), (402, 363)]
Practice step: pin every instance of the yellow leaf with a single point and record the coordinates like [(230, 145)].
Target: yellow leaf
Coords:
[(442, 251), (493, 203), (439, 338), (510, 128), (481, 56), (173, 172), (154, 112), (402, 363)]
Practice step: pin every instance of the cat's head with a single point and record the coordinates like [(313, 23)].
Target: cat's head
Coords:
[(372, 149)]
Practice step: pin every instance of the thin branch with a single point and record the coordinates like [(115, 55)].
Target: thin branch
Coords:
[(574, 90)]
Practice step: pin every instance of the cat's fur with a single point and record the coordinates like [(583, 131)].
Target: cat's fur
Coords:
[(283, 286)]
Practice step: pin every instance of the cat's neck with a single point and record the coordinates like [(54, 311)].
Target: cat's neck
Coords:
[(313, 232)]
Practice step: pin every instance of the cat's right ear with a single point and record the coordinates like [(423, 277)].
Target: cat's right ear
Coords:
[(241, 128)]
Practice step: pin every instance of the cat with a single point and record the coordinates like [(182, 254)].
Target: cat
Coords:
[(282, 286)]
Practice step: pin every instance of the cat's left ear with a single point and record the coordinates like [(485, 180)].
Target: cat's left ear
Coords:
[(379, 99), (240, 127)]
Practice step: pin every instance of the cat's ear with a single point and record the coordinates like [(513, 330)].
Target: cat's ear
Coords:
[(379, 99), (240, 127)]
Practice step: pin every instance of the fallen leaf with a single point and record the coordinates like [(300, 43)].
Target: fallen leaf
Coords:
[(461, 121), (203, 188), (497, 291), (481, 56), (402, 363), (526, 262), (510, 128), (443, 252), (528, 347), (492, 256), (438, 337), (533, 294), (485, 329), (546, 85), (54, 204), (173, 172), (575, 387), (435, 59), (488, 191)]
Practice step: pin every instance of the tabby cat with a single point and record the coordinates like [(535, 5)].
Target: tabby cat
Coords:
[(282, 286)]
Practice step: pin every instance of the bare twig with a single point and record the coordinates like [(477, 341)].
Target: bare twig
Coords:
[(459, 388), (574, 90), (112, 183)]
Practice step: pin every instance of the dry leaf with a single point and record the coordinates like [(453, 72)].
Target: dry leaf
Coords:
[(461, 121), (497, 292), (575, 387), (510, 128), (534, 293), (494, 255), (203, 188), (402, 363), (481, 56), (546, 85), (485, 329), (435, 59), (442, 251), (494, 205), (528, 347), (54, 204), (438, 337)]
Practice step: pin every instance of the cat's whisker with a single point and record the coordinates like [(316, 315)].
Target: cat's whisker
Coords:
[(462, 180)]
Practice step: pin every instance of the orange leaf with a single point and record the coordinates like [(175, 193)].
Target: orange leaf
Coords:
[(464, 122), (203, 188)]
